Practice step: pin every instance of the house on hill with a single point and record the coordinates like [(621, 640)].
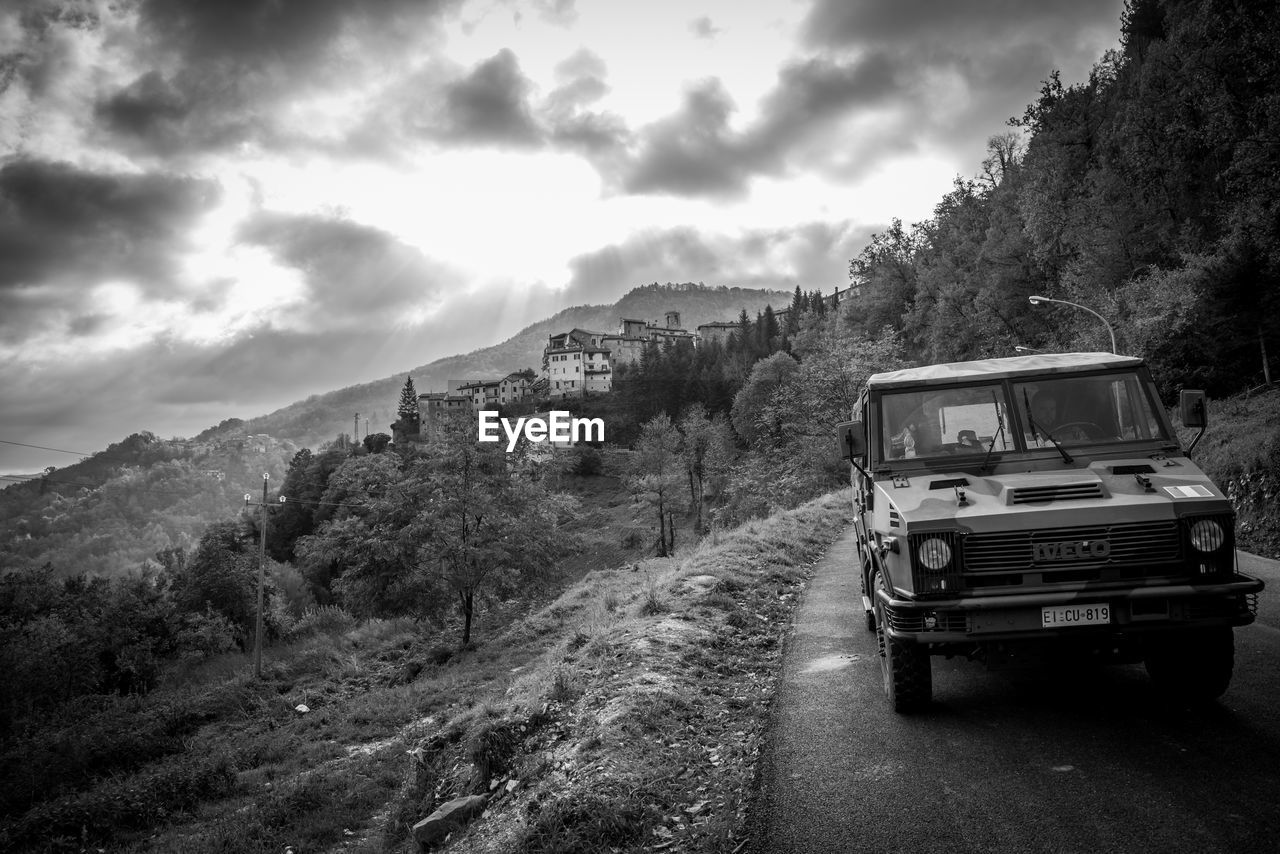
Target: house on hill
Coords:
[(717, 331), (576, 363), (514, 387), (581, 361)]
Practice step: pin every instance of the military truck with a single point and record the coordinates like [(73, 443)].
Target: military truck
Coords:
[(1017, 510)]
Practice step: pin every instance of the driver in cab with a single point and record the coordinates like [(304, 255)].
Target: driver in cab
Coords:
[(1044, 412)]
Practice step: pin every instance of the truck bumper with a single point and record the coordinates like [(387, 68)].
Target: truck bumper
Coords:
[(1026, 615)]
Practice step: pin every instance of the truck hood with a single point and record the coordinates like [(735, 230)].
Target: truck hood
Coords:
[(1132, 490)]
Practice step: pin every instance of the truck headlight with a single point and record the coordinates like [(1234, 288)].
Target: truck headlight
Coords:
[(934, 554), (1207, 535)]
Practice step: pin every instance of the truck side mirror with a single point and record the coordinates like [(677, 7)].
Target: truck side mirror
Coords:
[(851, 441), (1194, 412)]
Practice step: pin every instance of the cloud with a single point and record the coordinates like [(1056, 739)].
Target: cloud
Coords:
[(967, 67), (357, 276), (695, 153), (703, 28), (174, 387), (811, 255), (64, 229), (491, 105), (599, 136), (916, 24), (292, 33), (561, 12), (214, 75), (878, 80)]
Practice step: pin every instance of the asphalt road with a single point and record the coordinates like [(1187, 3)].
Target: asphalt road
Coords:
[(1051, 761)]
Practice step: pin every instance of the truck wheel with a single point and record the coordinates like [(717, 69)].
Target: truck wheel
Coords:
[(908, 677), (1192, 666)]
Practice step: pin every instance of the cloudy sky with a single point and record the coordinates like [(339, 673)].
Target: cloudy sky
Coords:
[(213, 208)]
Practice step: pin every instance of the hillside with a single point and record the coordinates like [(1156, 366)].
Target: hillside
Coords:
[(321, 417), (359, 731), (109, 513)]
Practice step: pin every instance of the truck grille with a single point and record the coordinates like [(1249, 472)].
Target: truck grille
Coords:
[(1054, 492), (1088, 547)]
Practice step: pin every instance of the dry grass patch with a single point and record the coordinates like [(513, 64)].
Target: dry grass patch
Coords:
[(642, 722)]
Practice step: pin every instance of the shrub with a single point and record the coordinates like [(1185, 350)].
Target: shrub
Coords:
[(323, 619), (493, 746), (564, 688), (131, 803), (204, 634), (586, 462), (595, 822), (652, 604), (439, 654), (124, 736)]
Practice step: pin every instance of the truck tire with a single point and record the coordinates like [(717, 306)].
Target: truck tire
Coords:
[(908, 676), (1192, 666)]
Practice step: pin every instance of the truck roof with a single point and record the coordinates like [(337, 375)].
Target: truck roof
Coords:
[(993, 369)]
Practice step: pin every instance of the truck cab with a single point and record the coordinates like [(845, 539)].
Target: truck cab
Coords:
[(1008, 510)]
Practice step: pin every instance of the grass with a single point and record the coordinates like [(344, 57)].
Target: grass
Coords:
[(656, 743)]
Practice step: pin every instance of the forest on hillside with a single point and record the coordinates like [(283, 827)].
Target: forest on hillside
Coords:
[(1148, 193)]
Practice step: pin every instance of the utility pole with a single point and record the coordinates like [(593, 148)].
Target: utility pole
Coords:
[(262, 572), (1266, 365)]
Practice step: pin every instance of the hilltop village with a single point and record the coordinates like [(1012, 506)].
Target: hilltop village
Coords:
[(575, 364)]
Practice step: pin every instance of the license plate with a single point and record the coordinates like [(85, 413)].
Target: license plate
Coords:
[(1075, 615)]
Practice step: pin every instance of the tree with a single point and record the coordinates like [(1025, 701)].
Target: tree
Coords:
[(766, 375), (490, 529), (408, 408), (707, 448), (221, 575), (457, 522), (656, 470), (368, 553)]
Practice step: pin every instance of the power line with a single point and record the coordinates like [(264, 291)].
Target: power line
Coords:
[(42, 479), (98, 455), (157, 490)]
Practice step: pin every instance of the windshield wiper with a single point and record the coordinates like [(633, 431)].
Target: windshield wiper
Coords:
[(1030, 420), (999, 432)]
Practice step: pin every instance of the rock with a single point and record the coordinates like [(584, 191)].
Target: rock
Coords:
[(301, 708), (451, 816)]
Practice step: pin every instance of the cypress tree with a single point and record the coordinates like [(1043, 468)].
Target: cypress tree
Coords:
[(771, 330), (408, 409)]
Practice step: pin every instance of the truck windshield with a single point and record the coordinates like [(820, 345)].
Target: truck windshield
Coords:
[(945, 422), (1085, 410)]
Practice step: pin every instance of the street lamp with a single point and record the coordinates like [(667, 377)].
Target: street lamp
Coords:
[(1036, 300)]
